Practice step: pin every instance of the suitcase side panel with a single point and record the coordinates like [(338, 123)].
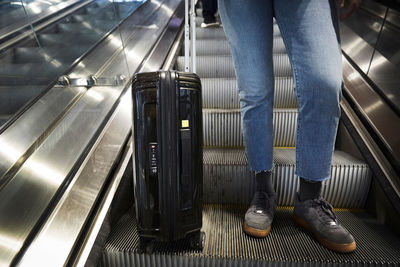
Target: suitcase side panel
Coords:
[(146, 184), (178, 150), (190, 149)]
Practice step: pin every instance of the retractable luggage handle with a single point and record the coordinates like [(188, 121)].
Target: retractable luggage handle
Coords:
[(190, 43)]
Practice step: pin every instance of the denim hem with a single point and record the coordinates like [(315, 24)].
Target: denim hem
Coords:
[(313, 179)]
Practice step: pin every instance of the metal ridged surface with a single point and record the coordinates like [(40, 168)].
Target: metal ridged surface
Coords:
[(227, 178), (199, 18), (218, 33), (210, 33), (222, 66), (227, 245), (223, 93), (223, 127), (221, 47)]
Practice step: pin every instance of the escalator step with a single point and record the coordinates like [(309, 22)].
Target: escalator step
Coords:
[(227, 178), (223, 93), (227, 245), (222, 128), (210, 33), (222, 66), (199, 18), (221, 47), (218, 33)]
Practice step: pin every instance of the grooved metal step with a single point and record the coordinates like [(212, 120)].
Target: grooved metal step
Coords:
[(221, 47), (223, 93), (222, 66), (219, 33), (223, 128), (227, 245), (227, 178), (199, 18)]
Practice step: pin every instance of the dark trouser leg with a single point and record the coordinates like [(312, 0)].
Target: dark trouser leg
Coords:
[(209, 9)]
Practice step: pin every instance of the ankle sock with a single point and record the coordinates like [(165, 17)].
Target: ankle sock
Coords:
[(264, 182), (309, 189)]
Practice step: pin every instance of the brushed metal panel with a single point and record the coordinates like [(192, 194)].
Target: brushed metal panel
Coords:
[(42, 174), (20, 136), (69, 216), (356, 48), (378, 114)]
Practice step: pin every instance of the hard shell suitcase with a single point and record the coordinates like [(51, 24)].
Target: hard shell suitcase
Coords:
[(168, 155)]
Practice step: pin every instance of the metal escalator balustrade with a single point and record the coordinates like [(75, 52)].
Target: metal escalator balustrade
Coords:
[(33, 64), (45, 151), (228, 187)]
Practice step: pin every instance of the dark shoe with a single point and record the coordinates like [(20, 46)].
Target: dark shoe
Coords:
[(210, 22), (259, 216), (316, 215)]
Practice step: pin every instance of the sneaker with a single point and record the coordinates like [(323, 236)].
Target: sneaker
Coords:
[(259, 216), (210, 23), (317, 217)]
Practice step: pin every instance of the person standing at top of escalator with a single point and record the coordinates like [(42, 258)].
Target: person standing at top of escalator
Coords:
[(210, 8), (309, 29)]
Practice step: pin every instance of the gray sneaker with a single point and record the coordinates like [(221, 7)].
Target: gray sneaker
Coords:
[(316, 216), (258, 218)]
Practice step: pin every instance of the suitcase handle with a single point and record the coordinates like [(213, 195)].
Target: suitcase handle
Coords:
[(186, 175), (190, 42)]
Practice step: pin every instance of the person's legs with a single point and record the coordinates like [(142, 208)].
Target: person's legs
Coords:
[(209, 10), (308, 29), (248, 26)]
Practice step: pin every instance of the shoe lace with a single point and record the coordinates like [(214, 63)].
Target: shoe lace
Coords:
[(325, 210)]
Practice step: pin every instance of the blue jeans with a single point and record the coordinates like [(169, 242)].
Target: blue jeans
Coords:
[(309, 31)]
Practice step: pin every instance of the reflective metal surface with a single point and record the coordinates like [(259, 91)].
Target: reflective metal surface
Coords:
[(45, 178), (69, 216), (51, 50), (45, 171), (15, 15), (359, 34), (384, 121), (21, 137), (371, 39)]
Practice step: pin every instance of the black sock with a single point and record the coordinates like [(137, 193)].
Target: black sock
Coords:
[(264, 182), (309, 189)]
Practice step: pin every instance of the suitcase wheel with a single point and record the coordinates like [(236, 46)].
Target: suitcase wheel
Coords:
[(146, 245), (197, 240)]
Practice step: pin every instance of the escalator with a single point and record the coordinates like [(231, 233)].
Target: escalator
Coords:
[(228, 184), (66, 192)]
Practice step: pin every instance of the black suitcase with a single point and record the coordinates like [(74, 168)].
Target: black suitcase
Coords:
[(168, 156)]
